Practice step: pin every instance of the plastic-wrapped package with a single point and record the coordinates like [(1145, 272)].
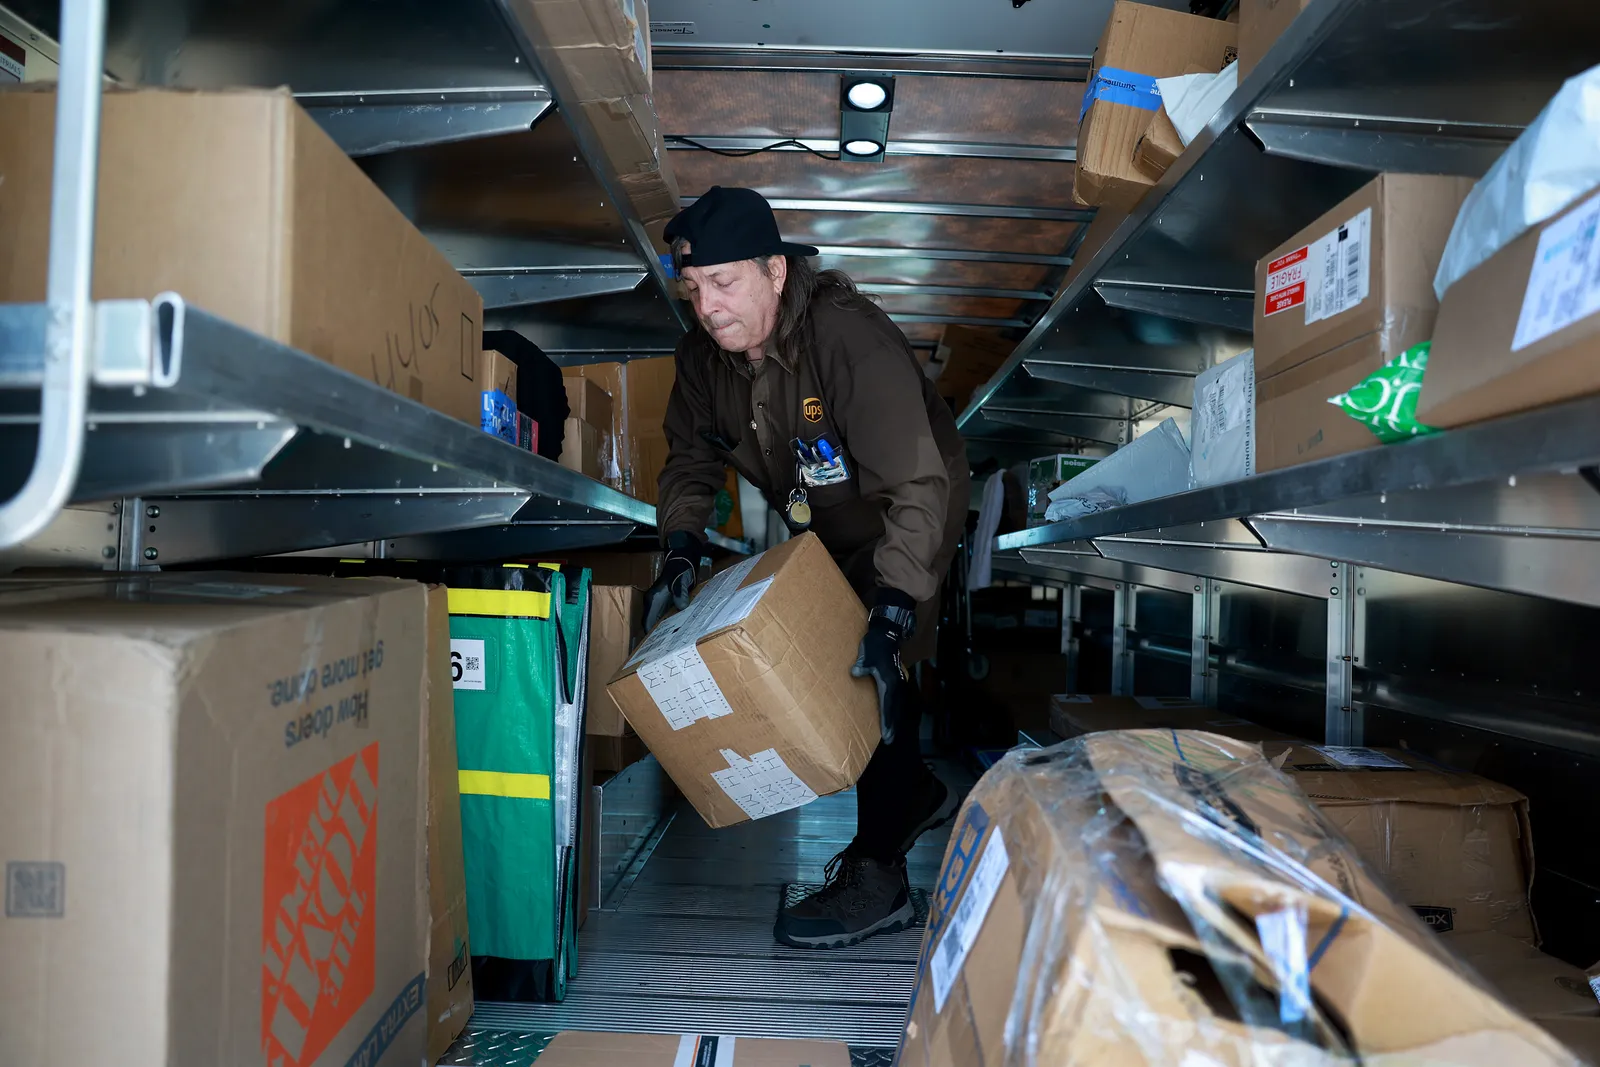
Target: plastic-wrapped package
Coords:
[(1385, 401), (1167, 897), (1554, 161), (1156, 464), (1222, 426)]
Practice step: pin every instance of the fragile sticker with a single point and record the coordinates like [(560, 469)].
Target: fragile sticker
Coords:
[(763, 784), (1286, 282), (946, 961)]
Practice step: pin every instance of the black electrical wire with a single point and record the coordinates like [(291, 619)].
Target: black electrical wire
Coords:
[(740, 153)]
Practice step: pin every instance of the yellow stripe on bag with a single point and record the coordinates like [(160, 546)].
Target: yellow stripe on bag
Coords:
[(501, 603), (505, 784)]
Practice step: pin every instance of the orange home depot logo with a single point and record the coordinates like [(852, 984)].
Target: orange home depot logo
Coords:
[(317, 937)]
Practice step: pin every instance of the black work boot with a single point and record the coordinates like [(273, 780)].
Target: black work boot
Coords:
[(937, 805), (862, 897)]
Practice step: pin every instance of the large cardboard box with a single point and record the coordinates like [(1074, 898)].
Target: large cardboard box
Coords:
[(1294, 422), (639, 391), (449, 998), (1522, 329), (580, 448), (1455, 847), (1364, 268), (211, 821), (251, 212), (1168, 897), (1553, 994), (746, 697), (586, 400), (1140, 44), (616, 615), (575, 1049), (603, 45), (1261, 23), (1076, 714)]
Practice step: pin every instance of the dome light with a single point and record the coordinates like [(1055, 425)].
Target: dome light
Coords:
[(863, 147), (868, 96)]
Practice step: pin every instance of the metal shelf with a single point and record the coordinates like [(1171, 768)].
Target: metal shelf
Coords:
[(1353, 87), (231, 445)]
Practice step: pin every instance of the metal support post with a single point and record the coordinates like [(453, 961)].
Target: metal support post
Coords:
[(1124, 604), (1206, 611), (1346, 637), (1071, 615), (131, 527)]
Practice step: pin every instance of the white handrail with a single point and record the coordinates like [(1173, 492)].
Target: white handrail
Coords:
[(64, 399)]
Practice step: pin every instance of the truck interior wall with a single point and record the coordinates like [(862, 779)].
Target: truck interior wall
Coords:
[(1163, 620)]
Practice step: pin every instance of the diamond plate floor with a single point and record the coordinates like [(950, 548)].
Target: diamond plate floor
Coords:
[(690, 948)]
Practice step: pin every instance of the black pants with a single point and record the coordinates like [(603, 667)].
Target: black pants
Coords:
[(892, 791)]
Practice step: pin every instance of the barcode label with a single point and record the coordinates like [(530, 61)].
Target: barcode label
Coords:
[(968, 918), (1564, 284), (1339, 269)]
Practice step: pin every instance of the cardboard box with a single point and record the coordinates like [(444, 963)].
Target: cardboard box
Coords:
[(1294, 421), (1076, 714), (1159, 148), (574, 1049), (612, 755), (1140, 44), (251, 212), (1522, 329), (449, 997), (211, 820), (587, 401), (616, 615), (1186, 830), (497, 378), (1366, 267), (639, 392), (580, 448), (1559, 997), (602, 45), (1261, 23), (1455, 847), (746, 696), (1046, 474)]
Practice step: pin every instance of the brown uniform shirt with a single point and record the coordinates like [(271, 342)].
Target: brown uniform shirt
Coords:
[(858, 384)]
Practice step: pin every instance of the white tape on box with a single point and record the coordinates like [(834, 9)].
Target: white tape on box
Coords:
[(763, 784)]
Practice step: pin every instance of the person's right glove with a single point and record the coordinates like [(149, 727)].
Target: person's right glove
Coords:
[(892, 619), (678, 570)]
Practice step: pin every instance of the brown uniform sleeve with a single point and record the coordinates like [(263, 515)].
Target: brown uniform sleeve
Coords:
[(880, 411), (694, 470)]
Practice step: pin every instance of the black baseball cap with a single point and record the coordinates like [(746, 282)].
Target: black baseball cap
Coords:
[(728, 225)]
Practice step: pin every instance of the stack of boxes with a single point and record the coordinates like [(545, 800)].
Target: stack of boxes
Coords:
[(588, 442)]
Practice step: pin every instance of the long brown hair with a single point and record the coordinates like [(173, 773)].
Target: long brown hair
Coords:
[(803, 285)]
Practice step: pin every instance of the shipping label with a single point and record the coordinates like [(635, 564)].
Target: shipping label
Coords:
[(1363, 758), (1338, 273), (705, 1050), (763, 784), (1564, 284), (967, 920), (318, 936), (1286, 282), (468, 667)]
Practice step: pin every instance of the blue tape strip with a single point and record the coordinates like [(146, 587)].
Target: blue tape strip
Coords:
[(1117, 86), (1327, 938), (1179, 746)]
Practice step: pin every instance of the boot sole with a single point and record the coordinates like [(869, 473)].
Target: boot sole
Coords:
[(894, 922)]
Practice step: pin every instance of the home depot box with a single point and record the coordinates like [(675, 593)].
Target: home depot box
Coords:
[(1215, 918), (575, 1049), (211, 821), (1076, 714), (1455, 847), (746, 697), (1261, 23), (1521, 330), (1366, 267), (1140, 44), (449, 994), (252, 213)]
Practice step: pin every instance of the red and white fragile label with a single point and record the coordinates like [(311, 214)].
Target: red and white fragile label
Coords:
[(1286, 281)]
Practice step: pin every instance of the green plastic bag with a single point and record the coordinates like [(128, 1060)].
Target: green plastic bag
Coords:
[(1385, 401)]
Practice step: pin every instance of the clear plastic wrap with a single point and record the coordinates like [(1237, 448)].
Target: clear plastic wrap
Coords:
[(1160, 897)]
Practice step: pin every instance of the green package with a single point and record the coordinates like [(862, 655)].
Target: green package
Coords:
[(1385, 401)]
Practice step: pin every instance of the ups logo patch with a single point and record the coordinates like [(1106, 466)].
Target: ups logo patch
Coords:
[(811, 407)]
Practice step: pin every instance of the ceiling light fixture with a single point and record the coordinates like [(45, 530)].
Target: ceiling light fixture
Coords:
[(865, 104)]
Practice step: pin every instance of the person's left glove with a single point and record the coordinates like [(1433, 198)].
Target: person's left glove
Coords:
[(678, 570), (892, 620)]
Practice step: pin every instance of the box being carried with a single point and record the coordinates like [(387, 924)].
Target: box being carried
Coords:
[(211, 821), (574, 1048), (1168, 897), (746, 697)]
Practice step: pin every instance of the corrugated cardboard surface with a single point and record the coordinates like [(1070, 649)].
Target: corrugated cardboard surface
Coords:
[(449, 1000), (604, 45), (1143, 40), (1294, 421), (1472, 372), (251, 212), (496, 371), (1075, 714), (615, 615), (785, 670), (1411, 219), (1159, 148), (580, 448), (1453, 846), (1553, 994), (1183, 828), (639, 392), (576, 1049), (1261, 23), (586, 400), (211, 821)]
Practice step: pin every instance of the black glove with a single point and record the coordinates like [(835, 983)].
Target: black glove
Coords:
[(891, 621), (678, 570)]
